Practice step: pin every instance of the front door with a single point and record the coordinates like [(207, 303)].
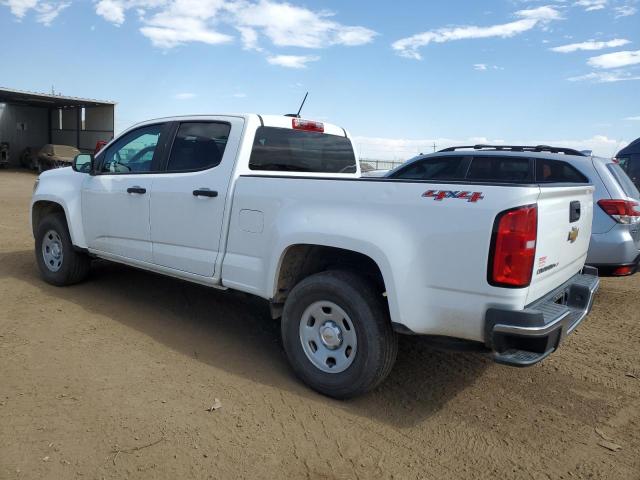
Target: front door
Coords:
[(115, 200), (188, 200)]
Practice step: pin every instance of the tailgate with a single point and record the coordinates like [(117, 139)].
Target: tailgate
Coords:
[(565, 214)]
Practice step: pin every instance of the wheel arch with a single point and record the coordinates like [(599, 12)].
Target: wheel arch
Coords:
[(41, 207), (298, 261)]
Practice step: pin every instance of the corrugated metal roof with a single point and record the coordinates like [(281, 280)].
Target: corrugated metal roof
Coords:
[(10, 95)]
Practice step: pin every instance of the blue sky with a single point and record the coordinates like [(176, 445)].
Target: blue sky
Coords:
[(399, 75)]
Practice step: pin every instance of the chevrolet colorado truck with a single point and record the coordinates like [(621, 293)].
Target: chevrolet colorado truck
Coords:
[(275, 206)]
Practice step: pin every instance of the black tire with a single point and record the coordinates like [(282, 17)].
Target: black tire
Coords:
[(377, 343), (74, 265)]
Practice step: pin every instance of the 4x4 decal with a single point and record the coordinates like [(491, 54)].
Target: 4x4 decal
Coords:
[(439, 195)]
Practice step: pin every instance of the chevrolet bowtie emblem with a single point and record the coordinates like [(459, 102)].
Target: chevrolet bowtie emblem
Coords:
[(573, 235)]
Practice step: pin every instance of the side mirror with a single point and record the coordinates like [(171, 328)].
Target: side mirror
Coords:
[(83, 163)]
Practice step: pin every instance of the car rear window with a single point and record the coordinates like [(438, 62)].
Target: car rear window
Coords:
[(557, 171), (623, 180), (499, 169), (434, 168), (287, 150)]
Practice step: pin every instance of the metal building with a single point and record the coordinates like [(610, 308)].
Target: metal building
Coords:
[(30, 119)]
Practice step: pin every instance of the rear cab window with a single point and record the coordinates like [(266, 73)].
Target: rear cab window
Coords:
[(289, 150)]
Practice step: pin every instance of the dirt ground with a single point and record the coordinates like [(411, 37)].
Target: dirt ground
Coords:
[(113, 378)]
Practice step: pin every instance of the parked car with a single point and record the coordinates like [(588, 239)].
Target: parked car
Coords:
[(629, 160), (56, 156), (615, 237), (274, 206)]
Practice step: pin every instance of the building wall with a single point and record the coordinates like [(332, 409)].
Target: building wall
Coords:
[(33, 135), (98, 125), (25, 126)]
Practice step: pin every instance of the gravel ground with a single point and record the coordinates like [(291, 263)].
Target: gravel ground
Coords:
[(113, 378)]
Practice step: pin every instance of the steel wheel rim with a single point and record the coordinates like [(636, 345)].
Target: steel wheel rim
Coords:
[(328, 337), (52, 252)]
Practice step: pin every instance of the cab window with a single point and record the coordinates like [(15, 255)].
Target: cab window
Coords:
[(198, 146), (287, 150), (134, 152)]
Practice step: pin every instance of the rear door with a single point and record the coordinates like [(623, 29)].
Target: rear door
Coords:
[(188, 200), (565, 214)]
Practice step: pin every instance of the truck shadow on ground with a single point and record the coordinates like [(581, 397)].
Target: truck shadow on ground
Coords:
[(234, 332)]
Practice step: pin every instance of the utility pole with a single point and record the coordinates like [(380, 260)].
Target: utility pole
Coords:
[(434, 146)]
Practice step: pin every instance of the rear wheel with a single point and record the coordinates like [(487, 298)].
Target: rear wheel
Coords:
[(337, 334), (59, 263)]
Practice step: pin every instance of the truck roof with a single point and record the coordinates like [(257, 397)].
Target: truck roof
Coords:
[(278, 121)]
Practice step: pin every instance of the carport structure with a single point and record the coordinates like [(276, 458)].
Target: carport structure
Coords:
[(30, 119)]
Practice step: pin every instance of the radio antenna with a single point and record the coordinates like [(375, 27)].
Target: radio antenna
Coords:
[(302, 104), (297, 115)]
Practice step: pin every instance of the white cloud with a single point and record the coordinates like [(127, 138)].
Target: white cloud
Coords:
[(483, 67), (591, 45), (528, 19), (398, 149), (592, 5), (184, 96), (20, 7), (633, 119), (625, 11), (605, 77), (289, 25), (111, 10), (239, 95), (292, 61), (46, 11), (616, 59), (170, 23)]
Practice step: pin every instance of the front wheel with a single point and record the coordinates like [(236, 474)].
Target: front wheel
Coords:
[(59, 263), (337, 334)]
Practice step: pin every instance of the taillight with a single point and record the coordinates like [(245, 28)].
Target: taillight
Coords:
[(513, 247), (622, 211), (309, 125), (622, 271)]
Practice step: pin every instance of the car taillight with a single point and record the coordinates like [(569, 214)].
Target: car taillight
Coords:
[(622, 211), (513, 247), (622, 271), (309, 125)]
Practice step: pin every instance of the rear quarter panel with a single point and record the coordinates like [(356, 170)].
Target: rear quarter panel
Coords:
[(433, 254)]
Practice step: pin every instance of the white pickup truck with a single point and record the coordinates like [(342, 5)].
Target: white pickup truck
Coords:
[(275, 206)]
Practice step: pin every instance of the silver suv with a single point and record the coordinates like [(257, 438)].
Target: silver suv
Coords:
[(615, 239)]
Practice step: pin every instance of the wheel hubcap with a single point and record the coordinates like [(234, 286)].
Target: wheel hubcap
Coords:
[(52, 250), (328, 337)]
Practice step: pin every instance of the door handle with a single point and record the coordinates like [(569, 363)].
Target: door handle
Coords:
[(136, 189), (205, 192)]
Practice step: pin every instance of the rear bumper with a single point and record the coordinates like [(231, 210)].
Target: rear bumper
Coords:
[(617, 247), (523, 337), (608, 269)]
